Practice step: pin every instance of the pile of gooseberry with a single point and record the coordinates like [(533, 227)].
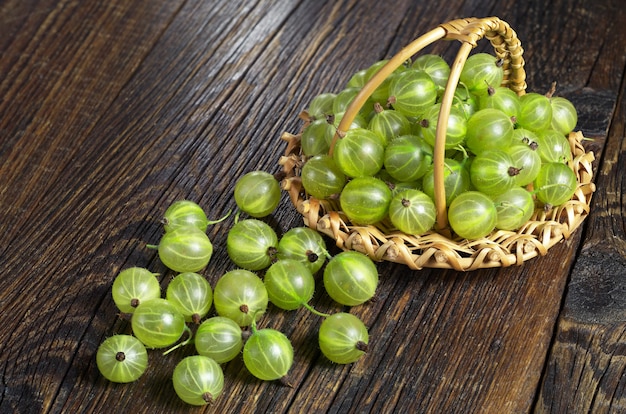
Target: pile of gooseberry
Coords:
[(268, 269), (506, 155)]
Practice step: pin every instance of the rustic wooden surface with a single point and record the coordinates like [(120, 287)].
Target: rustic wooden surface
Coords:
[(110, 111)]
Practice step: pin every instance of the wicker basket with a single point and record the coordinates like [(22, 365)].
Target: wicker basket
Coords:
[(439, 248)]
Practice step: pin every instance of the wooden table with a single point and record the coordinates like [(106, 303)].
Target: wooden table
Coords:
[(112, 110)]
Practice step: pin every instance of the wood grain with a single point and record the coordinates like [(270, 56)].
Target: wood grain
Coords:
[(585, 371), (111, 110)]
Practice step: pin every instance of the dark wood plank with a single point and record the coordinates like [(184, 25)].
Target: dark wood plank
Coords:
[(585, 370), (111, 112)]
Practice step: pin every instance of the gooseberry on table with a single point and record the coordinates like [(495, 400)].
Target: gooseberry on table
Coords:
[(158, 324), (133, 286), (241, 296), (198, 380), (257, 193), (191, 294), (268, 354), (304, 245), (122, 358), (219, 338), (251, 244), (289, 283), (343, 338), (350, 278), (185, 249)]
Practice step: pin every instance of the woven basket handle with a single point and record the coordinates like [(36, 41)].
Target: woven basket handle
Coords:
[(468, 31)]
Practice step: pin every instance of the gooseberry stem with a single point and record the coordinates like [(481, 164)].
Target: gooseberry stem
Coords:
[(315, 311), (152, 246), (253, 324), (181, 344), (220, 219)]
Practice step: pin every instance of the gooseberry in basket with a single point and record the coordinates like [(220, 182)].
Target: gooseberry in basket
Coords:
[(456, 179), (488, 128), (564, 115), (365, 200), (492, 172), (435, 66), (412, 92), (412, 211), (555, 184), (501, 98), (456, 127), (316, 136), (526, 158), (535, 112), (322, 178), (407, 158), (388, 123), (552, 146), (472, 215), (359, 153), (480, 71), (514, 207), (321, 105)]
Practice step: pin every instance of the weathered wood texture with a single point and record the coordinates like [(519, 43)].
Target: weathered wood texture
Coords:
[(112, 110), (585, 371)]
